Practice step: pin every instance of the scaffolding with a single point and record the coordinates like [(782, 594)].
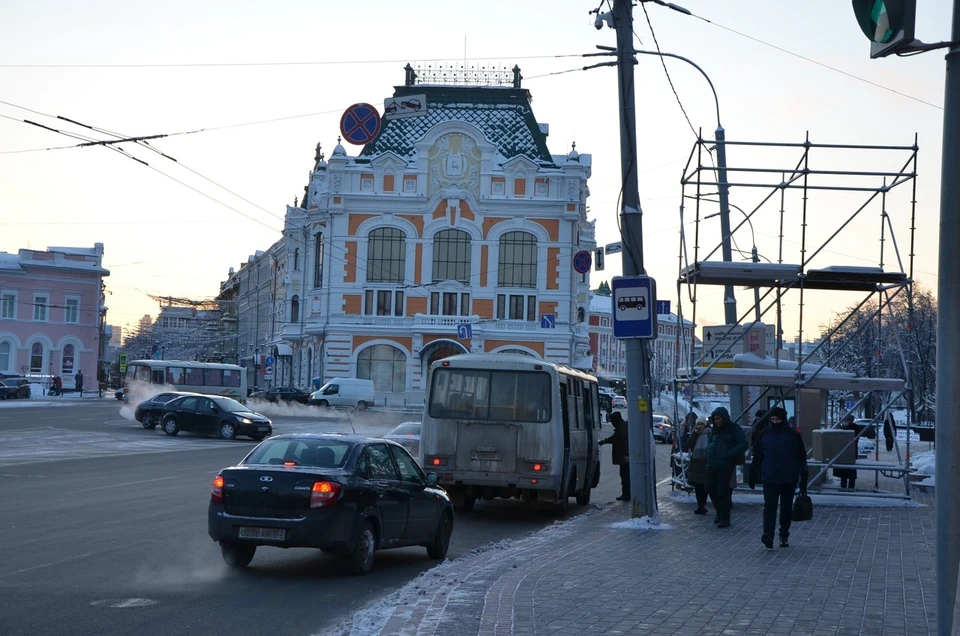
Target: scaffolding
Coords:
[(830, 203)]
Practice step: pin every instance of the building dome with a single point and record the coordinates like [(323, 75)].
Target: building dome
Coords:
[(573, 155)]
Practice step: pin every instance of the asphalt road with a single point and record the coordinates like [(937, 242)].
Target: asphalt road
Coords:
[(103, 531)]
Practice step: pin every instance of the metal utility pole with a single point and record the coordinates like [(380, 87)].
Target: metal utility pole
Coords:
[(948, 348), (639, 415)]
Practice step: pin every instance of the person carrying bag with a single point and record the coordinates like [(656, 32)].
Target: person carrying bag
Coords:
[(780, 464)]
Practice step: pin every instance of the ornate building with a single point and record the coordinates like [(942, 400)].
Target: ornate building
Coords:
[(452, 231)]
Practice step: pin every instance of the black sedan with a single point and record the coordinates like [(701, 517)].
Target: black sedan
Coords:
[(344, 494), (150, 412), (281, 394), (215, 415), (10, 388)]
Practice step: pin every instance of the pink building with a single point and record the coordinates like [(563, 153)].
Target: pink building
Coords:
[(50, 305)]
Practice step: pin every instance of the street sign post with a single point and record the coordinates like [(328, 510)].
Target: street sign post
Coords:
[(663, 307), (548, 321), (360, 124), (582, 261), (614, 248), (634, 301), (464, 332)]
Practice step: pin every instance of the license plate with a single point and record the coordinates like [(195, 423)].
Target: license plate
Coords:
[(271, 534), (262, 428), (485, 456)]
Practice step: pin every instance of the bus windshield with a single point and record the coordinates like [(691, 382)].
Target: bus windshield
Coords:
[(476, 394)]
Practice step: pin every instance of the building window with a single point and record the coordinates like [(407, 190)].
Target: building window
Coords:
[(449, 304), (386, 366), (296, 259), (36, 358), (40, 307), (382, 302), (6, 349), (386, 253), (295, 309), (71, 311), (318, 260), (518, 260), (581, 315), (66, 360), (516, 307), (451, 256), (8, 305)]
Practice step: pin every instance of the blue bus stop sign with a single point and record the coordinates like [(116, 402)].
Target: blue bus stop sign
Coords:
[(634, 307)]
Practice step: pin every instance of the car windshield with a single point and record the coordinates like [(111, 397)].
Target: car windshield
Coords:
[(317, 453), (407, 428), (232, 406)]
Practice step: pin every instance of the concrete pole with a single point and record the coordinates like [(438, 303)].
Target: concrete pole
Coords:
[(639, 423), (948, 346)]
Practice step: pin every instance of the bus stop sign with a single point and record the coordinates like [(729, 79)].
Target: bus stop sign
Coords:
[(634, 304)]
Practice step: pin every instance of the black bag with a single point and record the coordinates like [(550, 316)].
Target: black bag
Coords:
[(802, 508)]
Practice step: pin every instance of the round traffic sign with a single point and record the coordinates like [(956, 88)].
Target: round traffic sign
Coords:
[(582, 261), (269, 361), (268, 370), (360, 124)]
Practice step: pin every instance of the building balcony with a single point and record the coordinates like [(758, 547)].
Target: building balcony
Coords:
[(513, 325), (447, 322)]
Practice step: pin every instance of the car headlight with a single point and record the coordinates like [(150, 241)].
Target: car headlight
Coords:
[(244, 420)]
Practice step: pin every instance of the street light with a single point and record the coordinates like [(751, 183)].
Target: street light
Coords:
[(753, 251)]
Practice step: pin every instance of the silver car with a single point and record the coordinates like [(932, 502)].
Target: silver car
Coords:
[(407, 435)]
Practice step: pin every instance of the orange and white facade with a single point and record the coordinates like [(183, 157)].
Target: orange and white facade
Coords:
[(453, 231)]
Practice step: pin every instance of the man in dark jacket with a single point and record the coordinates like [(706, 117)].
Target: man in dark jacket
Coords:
[(620, 453), (727, 443), (779, 462)]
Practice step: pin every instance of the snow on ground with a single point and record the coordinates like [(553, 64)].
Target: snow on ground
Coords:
[(755, 497), (642, 523), (924, 463), (38, 397)]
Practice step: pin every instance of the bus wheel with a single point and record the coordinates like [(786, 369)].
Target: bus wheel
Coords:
[(467, 504), (560, 508), (583, 498)]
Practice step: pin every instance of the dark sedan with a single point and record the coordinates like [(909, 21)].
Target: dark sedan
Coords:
[(150, 412), (213, 415), (281, 394), (10, 388), (344, 494)]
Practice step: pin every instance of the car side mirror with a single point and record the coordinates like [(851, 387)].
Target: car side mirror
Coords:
[(433, 479)]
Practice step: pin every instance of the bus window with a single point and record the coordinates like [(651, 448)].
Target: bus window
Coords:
[(141, 373), (174, 375), (490, 395), (194, 376), (231, 377), (213, 377), (158, 376)]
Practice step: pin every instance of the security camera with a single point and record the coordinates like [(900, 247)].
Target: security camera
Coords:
[(601, 18), (598, 23)]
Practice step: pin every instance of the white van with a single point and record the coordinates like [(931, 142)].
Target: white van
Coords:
[(344, 392)]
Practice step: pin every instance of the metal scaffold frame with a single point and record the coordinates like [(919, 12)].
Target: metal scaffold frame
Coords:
[(892, 278)]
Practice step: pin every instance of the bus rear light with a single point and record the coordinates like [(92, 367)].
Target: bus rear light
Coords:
[(324, 493), (537, 466), (534, 481), (445, 363), (216, 494), (436, 461)]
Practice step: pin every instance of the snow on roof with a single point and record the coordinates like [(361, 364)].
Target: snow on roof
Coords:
[(9, 261)]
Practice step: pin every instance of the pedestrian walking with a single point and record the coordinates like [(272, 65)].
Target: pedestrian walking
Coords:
[(620, 452), (78, 381), (889, 431), (779, 463), (696, 444), (847, 476), (724, 448)]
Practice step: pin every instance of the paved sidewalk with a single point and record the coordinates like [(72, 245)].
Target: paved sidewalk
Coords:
[(851, 570)]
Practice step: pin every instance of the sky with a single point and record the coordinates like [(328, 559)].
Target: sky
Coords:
[(257, 86)]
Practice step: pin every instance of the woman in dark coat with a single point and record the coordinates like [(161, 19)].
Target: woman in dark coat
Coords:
[(696, 444), (620, 453), (847, 476)]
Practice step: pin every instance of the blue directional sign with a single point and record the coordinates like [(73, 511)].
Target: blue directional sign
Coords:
[(582, 261), (464, 332), (663, 307), (634, 305), (548, 321), (269, 361)]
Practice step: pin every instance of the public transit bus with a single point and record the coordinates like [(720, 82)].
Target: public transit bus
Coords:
[(511, 426), (199, 377)]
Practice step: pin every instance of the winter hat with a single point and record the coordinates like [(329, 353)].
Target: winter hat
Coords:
[(777, 412), (702, 420), (616, 418)]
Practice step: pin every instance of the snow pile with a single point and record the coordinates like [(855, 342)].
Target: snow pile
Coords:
[(924, 463), (642, 523)]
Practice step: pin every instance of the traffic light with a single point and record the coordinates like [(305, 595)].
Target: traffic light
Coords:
[(598, 259), (888, 24)]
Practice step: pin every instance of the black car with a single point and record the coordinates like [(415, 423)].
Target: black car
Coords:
[(345, 494), (213, 414), (13, 388), (281, 394), (150, 412)]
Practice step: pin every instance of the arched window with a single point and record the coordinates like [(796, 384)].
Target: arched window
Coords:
[(318, 261), (295, 309), (518, 260), (581, 315), (386, 366), (386, 253), (36, 358), (451, 256), (66, 358), (6, 351), (296, 259)]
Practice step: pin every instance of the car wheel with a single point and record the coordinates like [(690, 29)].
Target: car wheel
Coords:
[(147, 421), (361, 405), (441, 541), (228, 430), (237, 556), (323, 403), (3, 396), (258, 437), (170, 426), (360, 558)]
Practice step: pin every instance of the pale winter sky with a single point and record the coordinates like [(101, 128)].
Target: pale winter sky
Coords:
[(269, 81)]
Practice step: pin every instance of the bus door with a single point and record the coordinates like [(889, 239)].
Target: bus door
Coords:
[(591, 411), (565, 426)]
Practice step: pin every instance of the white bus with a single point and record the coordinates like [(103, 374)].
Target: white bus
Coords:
[(511, 426), (199, 377)]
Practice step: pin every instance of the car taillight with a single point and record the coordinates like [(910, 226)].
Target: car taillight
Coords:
[(324, 493), (216, 494)]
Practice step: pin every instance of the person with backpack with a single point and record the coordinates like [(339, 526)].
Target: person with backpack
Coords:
[(779, 463)]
